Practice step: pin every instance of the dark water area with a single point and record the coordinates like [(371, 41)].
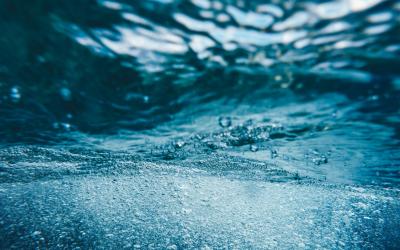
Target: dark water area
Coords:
[(199, 124)]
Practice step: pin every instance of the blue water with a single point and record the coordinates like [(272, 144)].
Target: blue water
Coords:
[(197, 124)]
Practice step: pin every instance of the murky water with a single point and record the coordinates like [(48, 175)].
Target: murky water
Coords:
[(196, 124)]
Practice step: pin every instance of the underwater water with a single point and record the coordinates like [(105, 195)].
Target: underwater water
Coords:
[(200, 124)]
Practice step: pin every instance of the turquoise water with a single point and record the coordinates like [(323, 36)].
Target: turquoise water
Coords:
[(196, 124)]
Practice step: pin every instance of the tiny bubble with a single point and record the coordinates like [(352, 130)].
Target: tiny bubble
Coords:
[(199, 136), (253, 148), (65, 93), (302, 245), (56, 125), (15, 94), (274, 153), (36, 233), (225, 122), (248, 123), (179, 144), (320, 160), (41, 59), (66, 126), (374, 98), (172, 247), (278, 78)]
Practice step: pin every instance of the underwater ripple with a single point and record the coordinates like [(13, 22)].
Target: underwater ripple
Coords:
[(279, 103)]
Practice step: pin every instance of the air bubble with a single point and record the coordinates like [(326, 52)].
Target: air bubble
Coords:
[(15, 95), (172, 247), (66, 126), (62, 125), (253, 148), (274, 153), (179, 144), (65, 94), (320, 160), (225, 122), (36, 233)]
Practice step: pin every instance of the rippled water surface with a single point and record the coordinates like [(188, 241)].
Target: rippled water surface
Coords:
[(197, 124)]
